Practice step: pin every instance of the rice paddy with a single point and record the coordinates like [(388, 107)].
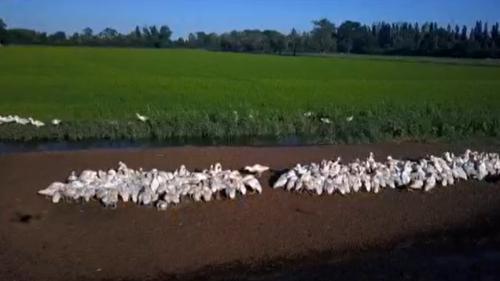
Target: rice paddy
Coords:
[(201, 94)]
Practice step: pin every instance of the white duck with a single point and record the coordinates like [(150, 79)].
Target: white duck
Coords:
[(141, 118), (257, 168)]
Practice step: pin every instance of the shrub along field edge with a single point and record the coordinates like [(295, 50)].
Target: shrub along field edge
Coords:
[(329, 126)]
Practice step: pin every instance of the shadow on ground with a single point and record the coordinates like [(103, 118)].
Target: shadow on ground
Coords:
[(470, 252)]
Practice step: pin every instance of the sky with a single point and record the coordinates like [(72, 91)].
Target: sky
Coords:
[(185, 16)]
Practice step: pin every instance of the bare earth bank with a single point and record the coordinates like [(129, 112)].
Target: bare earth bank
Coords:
[(451, 233)]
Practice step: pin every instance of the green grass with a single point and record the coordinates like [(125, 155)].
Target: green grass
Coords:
[(190, 93)]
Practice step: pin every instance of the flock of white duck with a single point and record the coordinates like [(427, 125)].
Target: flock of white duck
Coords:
[(330, 177), (25, 121), (37, 123), (154, 187), (161, 189)]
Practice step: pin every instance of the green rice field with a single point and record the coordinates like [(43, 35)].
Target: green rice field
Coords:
[(193, 93)]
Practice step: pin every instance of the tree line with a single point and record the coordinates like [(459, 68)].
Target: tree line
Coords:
[(404, 38)]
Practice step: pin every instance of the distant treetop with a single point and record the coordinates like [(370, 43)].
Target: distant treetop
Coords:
[(402, 38)]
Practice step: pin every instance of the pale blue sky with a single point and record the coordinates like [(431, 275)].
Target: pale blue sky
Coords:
[(219, 15)]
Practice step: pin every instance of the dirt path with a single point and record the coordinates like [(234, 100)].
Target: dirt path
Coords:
[(43, 241)]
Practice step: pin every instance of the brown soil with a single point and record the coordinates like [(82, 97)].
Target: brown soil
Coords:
[(272, 232)]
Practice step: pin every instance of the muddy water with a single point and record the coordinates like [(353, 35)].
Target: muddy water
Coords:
[(39, 146), (289, 141)]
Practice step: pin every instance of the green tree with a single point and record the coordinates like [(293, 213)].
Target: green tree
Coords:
[(385, 36), (108, 34), (380, 38), (88, 32), (164, 36), (58, 38), (191, 41), (3, 32), (275, 40), (463, 34), (200, 39), (294, 41), (212, 41), (137, 32), (347, 33), (495, 35), (75, 38), (323, 36), (146, 34), (87, 36)]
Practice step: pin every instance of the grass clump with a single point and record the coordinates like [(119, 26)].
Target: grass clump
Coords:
[(224, 96)]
